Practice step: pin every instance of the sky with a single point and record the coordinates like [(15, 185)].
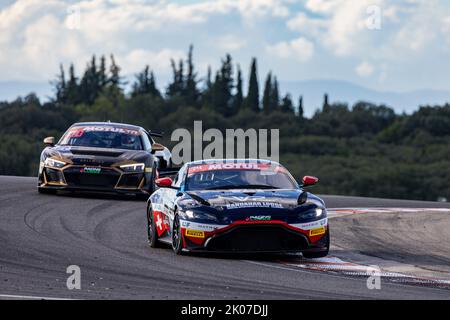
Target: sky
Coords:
[(395, 45)]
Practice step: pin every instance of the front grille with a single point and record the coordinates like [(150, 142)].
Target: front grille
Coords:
[(99, 153), (54, 176), (107, 178), (258, 238), (130, 180)]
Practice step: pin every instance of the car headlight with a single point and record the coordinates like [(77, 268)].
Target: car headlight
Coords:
[(135, 167), (50, 162), (312, 214)]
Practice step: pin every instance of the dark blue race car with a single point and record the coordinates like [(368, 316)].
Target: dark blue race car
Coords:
[(252, 206)]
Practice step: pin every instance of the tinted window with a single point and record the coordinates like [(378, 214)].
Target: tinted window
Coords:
[(236, 176), (102, 137)]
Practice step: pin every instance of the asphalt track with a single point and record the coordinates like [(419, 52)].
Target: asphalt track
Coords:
[(41, 235)]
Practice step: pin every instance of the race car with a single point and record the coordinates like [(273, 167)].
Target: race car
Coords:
[(100, 156), (237, 205)]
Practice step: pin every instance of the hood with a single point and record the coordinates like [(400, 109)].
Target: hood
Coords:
[(233, 205), (96, 156)]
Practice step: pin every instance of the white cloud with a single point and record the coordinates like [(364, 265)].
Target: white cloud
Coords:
[(300, 49), (231, 42), (364, 69)]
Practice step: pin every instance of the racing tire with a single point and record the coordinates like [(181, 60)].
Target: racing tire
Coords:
[(319, 254), (177, 237), (151, 230), (46, 191)]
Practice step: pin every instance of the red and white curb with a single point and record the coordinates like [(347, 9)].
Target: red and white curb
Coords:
[(340, 212), (338, 266)]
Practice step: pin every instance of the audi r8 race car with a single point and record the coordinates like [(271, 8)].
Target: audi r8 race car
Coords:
[(100, 156), (237, 205)]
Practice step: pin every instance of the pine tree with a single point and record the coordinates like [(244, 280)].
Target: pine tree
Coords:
[(192, 94), (326, 105), (222, 88), (286, 104), (153, 90), (102, 76), (207, 91), (145, 84), (300, 107), (60, 86), (252, 99), (176, 87), (73, 94), (239, 96), (115, 80), (267, 95), (275, 95)]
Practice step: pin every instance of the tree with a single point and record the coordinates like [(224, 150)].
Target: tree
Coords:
[(222, 88), (300, 107), (73, 93), (239, 96), (176, 87), (60, 86), (145, 84), (286, 104), (115, 80), (102, 76), (326, 105), (275, 96), (192, 94), (252, 99), (267, 95)]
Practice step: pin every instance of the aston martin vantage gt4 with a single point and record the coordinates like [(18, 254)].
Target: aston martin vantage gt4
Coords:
[(250, 206)]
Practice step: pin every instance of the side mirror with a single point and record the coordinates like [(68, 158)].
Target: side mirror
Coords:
[(164, 182), (309, 180), (157, 147), (49, 141)]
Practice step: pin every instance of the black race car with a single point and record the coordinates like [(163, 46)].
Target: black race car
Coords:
[(100, 156), (237, 206)]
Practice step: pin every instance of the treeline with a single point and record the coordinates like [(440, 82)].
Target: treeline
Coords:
[(363, 149), (222, 92)]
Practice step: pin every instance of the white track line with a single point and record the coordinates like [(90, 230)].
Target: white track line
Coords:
[(20, 297)]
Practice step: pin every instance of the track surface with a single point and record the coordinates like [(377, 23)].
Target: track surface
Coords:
[(41, 235)]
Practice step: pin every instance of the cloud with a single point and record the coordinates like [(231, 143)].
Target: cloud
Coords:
[(364, 69), (300, 49), (36, 35)]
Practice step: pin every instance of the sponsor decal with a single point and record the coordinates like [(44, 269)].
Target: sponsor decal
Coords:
[(200, 226), (78, 132), (194, 233), (317, 231), (311, 225), (254, 204), (91, 170), (258, 218), (235, 166)]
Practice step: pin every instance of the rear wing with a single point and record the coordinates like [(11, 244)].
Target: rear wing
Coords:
[(158, 134), (167, 172)]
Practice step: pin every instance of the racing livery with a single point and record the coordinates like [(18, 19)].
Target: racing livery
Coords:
[(100, 156), (237, 205)]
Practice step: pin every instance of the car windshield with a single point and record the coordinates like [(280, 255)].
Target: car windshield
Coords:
[(102, 137), (239, 176)]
